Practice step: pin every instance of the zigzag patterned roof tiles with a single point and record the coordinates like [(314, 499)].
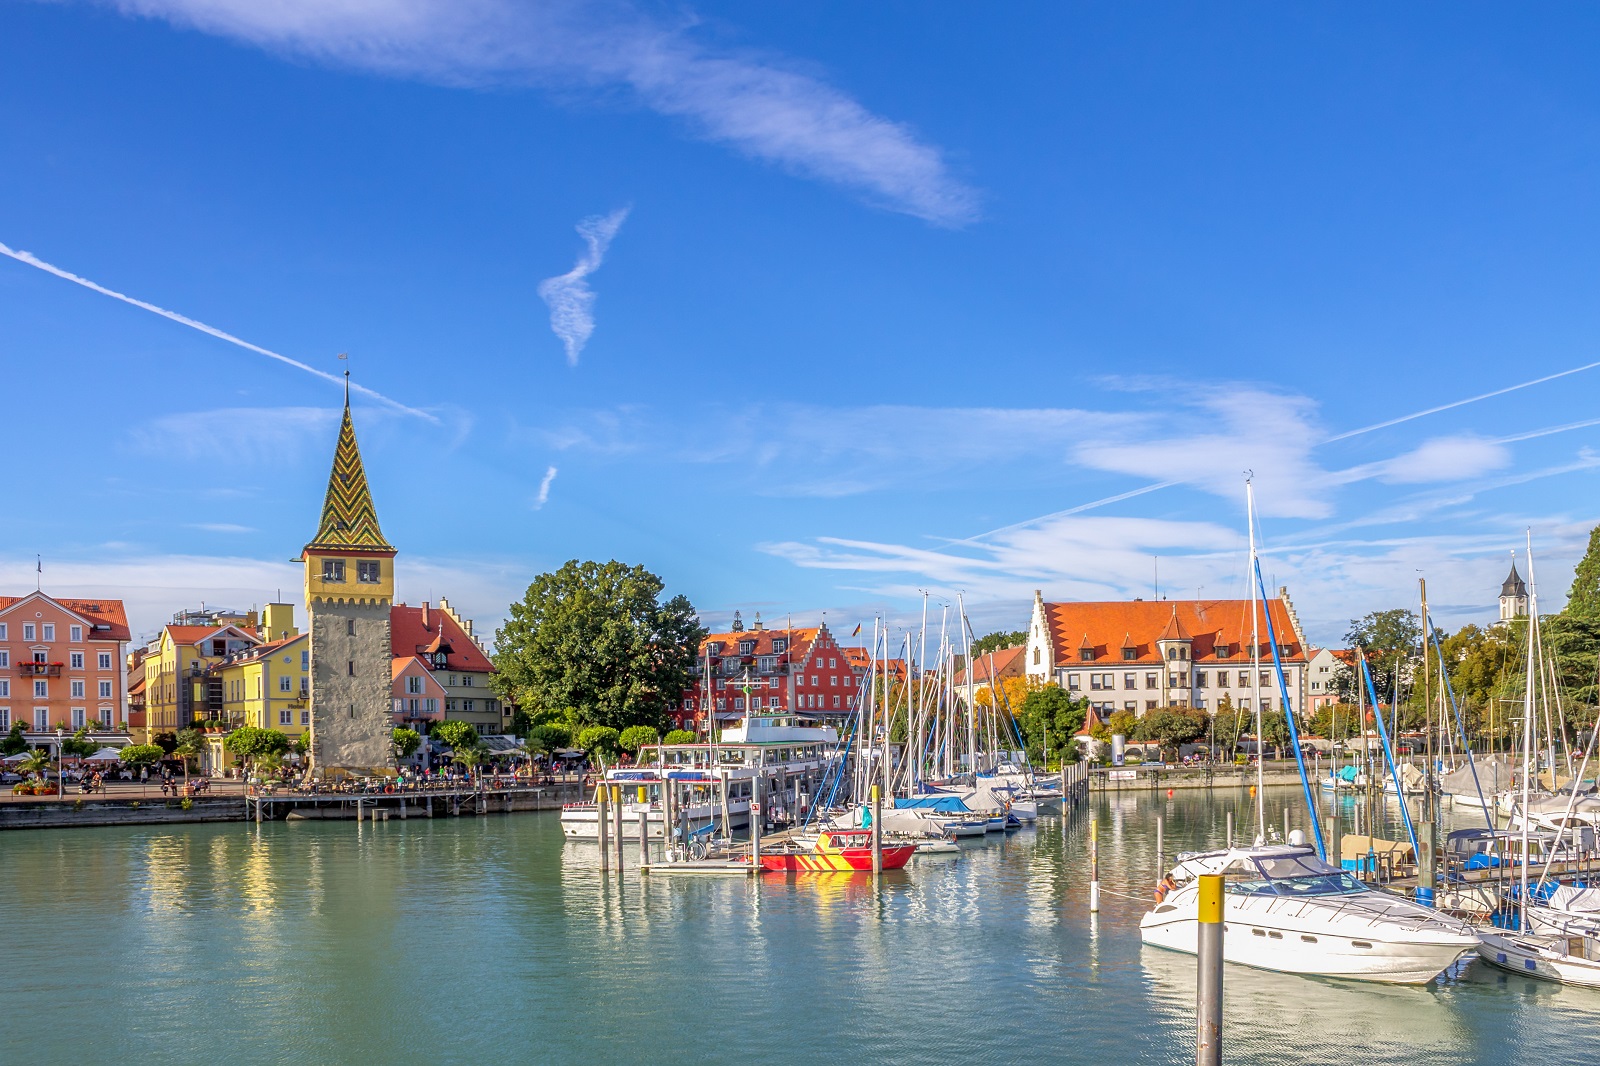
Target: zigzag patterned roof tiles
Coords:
[(349, 519)]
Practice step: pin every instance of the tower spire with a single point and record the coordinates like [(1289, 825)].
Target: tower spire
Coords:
[(349, 519)]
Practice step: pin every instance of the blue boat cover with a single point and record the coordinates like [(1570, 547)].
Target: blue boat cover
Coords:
[(945, 804), (1347, 773)]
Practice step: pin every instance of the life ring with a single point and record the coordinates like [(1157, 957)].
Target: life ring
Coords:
[(389, 789)]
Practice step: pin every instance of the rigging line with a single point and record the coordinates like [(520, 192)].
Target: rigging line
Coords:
[(30, 259)]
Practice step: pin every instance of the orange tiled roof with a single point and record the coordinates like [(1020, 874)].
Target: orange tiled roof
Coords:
[(800, 641), (1007, 663), (1106, 628), (860, 659), (94, 612), (410, 634)]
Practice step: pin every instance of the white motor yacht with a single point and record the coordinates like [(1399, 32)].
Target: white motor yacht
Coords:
[(1285, 909)]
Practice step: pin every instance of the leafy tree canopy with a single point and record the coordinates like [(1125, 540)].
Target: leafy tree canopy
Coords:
[(597, 638), (167, 742), (1583, 601), (680, 736), (79, 744), (600, 741), (995, 641), (250, 743), (404, 742), (14, 743), (141, 754), (549, 738), (453, 734), (1171, 727), (1048, 716), (638, 736)]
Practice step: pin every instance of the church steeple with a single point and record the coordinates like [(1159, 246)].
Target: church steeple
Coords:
[(349, 519)]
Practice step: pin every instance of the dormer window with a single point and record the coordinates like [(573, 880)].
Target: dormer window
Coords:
[(1086, 655), (1222, 651), (440, 660), (1130, 654), (779, 646), (747, 647)]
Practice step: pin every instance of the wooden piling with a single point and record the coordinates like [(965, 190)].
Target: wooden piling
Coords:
[(877, 832)]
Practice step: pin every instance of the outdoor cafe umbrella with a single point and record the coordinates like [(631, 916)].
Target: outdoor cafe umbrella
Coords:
[(105, 755), (18, 757)]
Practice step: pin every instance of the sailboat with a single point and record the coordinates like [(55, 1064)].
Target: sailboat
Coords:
[(1284, 907)]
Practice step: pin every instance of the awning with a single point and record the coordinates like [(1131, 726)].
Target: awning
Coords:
[(105, 755)]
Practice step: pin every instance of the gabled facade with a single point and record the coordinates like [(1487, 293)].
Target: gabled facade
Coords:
[(1142, 654), (803, 671), (442, 640), (179, 689), (419, 699), (61, 663)]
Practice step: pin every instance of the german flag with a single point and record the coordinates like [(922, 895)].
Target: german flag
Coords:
[(857, 633)]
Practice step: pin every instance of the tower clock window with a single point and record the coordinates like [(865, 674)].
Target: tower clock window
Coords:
[(333, 570)]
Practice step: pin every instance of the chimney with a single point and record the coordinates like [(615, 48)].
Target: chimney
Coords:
[(757, 625), (424, 614)]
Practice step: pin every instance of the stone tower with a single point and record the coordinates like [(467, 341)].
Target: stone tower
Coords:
[(349, 590), (1513, 596)]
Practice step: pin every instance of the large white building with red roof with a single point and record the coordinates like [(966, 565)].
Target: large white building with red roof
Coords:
[(770, 671), (1138, 655), (61, 663)]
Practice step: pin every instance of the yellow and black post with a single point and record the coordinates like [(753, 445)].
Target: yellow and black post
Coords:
[(1208, 986)]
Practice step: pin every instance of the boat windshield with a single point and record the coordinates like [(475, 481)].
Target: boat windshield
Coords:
[(1296, 875)]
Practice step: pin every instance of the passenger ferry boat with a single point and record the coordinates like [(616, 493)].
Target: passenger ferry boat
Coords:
[(790, 753)]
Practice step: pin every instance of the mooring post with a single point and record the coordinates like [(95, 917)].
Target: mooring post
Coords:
[(1230, 829), (1426, 868), (877, 831), (1286, 825), (756, 816), (1208, 986), (1094, 867), (1335, 839), (616, 822), (1161, 851), (603, 820), (644, 827)]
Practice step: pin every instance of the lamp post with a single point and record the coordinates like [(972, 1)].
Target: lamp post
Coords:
[(61, 780)]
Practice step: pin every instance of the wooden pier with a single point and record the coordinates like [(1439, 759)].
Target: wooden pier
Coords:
[(446, 801)]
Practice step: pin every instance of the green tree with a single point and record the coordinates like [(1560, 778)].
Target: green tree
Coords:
[(188, 744), (453, 734), (403, 743), (79, 744), (140, 754), (471, 755), (680, 736), (1171, 727), (250, 744), (549, 738), (14, 743), (37, 762), (1226, 725), (167, 742), (596, 637), (996, 641), (1050, 717), (600, 742), (1334, 721), (1390, 638), (635, 737), (1583, 601)]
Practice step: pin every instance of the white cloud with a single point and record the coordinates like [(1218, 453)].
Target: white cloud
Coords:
[(1454, 458), (568, 295), (544, 488), (238, 434), (220, 527), (759, 104)]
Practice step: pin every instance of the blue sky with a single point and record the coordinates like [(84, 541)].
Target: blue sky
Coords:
[(857, 300)]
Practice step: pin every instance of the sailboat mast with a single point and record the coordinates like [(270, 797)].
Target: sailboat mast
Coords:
[(1527, 733), (1427, 711), (1255, 668), (966, 655)]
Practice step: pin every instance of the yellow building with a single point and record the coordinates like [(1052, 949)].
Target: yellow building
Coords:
[(182, 687)]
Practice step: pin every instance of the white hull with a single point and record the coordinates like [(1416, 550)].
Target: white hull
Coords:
[(581, 821), (1286, 949), (1544, 957)]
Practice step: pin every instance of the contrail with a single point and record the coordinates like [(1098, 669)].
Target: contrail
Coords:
[(34, 261), (1118, 498), (1461, 403)]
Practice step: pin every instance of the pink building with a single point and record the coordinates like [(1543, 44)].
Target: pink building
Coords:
[(418, 696), (61, 663)]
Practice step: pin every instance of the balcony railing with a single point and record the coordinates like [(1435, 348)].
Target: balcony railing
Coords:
[(39, 669)]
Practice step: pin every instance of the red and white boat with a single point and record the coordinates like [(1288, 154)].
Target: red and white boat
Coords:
[(836, 851)]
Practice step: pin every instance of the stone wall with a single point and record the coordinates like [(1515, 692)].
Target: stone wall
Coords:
[(87, 813), (350, 684)]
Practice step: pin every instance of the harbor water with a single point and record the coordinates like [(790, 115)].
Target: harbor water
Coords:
[(491, 939)]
